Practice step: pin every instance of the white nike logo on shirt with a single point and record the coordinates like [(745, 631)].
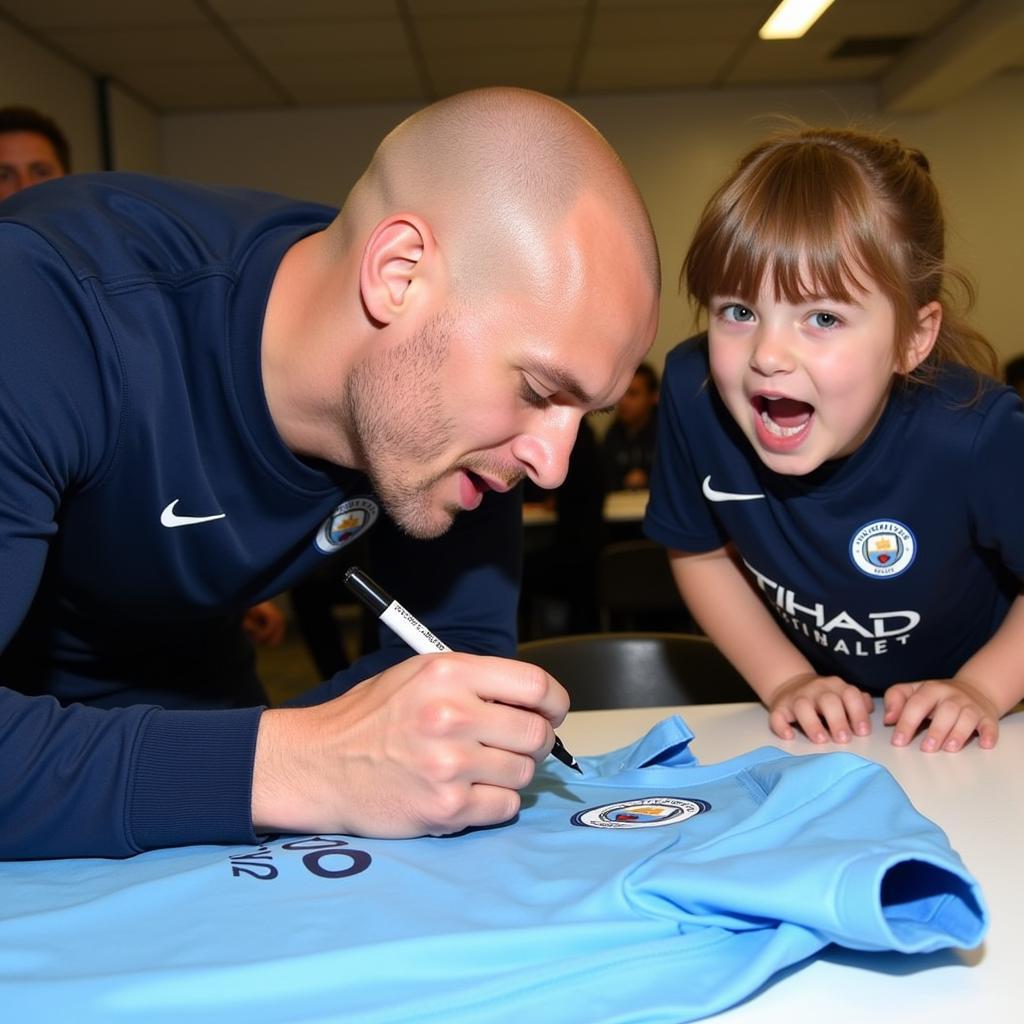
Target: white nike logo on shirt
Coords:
[(712, 495), (170, 520)]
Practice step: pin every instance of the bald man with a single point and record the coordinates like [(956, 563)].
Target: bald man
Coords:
[(205, 393)]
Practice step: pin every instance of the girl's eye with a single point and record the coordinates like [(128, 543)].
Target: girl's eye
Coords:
[(740, 314), (825, 320)]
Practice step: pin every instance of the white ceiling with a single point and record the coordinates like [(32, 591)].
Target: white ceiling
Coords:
[(193, 55)]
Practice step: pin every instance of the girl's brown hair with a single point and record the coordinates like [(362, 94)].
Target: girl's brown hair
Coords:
[(814, 210)]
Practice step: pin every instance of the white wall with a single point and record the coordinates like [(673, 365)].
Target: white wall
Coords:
[(32, 76), (134, 133), (678, 146)]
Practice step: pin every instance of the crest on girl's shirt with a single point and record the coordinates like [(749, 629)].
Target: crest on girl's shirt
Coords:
[(883, 548), (644, 812), (348, 521)]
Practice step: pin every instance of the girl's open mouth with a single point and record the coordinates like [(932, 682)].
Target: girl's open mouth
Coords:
[(781, 421)]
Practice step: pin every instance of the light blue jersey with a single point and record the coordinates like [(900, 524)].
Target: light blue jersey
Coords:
[(652, 889)]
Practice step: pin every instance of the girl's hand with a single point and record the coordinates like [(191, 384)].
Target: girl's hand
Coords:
[(957, 710), (823, 707)]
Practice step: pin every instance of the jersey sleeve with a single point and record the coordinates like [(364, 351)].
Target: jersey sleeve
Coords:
[(996, 491), (677, 515), (90, 782), (464, 586)]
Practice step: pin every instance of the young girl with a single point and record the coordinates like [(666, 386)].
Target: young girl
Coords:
[(839, 484)]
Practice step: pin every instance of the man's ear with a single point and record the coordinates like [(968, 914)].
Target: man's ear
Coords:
[(922, 341), (393, 261)]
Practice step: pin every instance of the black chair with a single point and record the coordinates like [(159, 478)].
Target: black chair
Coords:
[(636, 589), (637, 670)]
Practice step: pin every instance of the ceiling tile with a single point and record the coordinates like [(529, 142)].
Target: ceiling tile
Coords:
[(226, 86), (448, 35), (102, 13), (658, 25), (315, 40), (354, 80), (488, 8), (545, 69), (104, 49), (247, 11), (612, 69)]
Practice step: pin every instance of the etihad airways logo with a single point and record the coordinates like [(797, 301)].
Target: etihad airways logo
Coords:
[(838, 631)]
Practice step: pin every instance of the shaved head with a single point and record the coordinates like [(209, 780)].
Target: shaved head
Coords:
[(494, 171), (492, 277)]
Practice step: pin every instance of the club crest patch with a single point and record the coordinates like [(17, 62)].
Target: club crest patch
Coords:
[(644, 812), (883, 548), (350, 519)]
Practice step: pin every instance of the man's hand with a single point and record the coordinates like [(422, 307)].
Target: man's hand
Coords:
[(957, 710), (433, 745), (823, 706)]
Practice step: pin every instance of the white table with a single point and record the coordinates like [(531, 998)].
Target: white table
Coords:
[(976, 797)]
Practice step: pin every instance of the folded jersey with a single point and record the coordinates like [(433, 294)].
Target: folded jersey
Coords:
[(650, 889)]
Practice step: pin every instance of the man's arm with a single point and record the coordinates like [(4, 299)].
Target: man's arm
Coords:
[(434, 745), (85, 782)]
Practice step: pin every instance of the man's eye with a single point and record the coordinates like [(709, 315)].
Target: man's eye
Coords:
[(531, 396)]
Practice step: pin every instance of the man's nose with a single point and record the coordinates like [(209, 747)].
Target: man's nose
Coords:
[(544, 451)]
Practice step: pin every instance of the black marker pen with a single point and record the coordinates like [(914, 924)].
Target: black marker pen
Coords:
[(404, 624)]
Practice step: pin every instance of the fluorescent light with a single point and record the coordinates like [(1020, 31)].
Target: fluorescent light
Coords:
[(792, 18)]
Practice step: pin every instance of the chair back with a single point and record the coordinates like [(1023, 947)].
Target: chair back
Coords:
[(637, 670), (636, 589)]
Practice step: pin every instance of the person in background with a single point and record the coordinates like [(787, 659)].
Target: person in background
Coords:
[(238, 385), (32, 149), (628, 448), (839, 478)]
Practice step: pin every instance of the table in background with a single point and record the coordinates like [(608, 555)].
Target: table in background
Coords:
[(619, 507), (976, 797)]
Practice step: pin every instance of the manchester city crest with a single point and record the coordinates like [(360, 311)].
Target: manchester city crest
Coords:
[(883, 548), (350, 519), (643, 812)]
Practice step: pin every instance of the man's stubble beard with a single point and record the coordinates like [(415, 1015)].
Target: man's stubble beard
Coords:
[(394, 403)]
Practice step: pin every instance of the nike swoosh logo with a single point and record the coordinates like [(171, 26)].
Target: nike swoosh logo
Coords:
[(169, 519), (712, 495)]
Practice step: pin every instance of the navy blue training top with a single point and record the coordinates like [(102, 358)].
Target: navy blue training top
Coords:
[(892, 565), (147, 500)]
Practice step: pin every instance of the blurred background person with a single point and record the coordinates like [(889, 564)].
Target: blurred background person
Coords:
[(32, 149), (628, 447)]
